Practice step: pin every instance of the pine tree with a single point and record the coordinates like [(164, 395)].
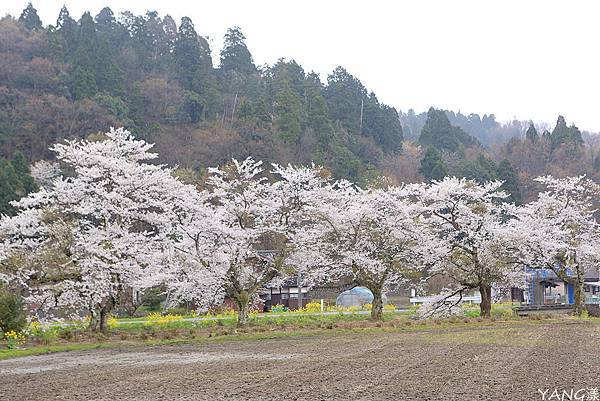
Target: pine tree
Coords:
[(433, 166), (29, 17)]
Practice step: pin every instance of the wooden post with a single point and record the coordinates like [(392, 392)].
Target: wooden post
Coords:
[(299, 284)]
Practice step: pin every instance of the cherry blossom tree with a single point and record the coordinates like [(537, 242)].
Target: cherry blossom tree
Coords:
[(81, 242), (558, 231), (372, 237), (254, 217), (469, 218), (44, 172)]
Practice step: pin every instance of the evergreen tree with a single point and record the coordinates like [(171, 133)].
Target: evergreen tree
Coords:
[(108, 75), (167, 36), (83, 78), (546, 135), (235, 55), (382, 123), (30, 19), (11, 187), (562, 134), (82, 83), (507, 173), (344, 94), (193, 106), (66, 28), (194, 66), (147, 37), (108, 30), (105, 20), (237, 72), (287, 110), (482, 170), (596, 163), (531, 135), (438, 132), (21, 168), (319, 121), (433, 166), (189, 55)]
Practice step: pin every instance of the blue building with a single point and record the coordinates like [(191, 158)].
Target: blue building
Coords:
[(544, 287)]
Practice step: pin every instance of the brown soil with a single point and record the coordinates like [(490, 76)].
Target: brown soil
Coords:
[(502, 361)]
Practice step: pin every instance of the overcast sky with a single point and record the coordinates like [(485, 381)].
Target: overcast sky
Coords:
[(516, 59)]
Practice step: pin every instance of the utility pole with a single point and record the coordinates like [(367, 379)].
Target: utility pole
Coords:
[(361, 117), (234, 104), (224, 112)]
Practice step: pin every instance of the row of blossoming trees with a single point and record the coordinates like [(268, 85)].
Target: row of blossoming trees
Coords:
[(109, 220)]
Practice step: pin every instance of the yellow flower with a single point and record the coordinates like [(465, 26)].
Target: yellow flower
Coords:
[(112, 322)]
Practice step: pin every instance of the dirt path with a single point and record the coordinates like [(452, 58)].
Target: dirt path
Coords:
[(502, 362)]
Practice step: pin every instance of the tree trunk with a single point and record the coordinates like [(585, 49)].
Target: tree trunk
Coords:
[(485, 306), (242, 300), (579, 294), (99, 317), (243, 317), (377, 305), (104, 314), (94, 320)]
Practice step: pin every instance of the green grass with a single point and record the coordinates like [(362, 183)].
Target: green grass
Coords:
[(133, 334), (451, 331), (284, 319)]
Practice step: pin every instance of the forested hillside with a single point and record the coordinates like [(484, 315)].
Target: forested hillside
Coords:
[(156, 77)]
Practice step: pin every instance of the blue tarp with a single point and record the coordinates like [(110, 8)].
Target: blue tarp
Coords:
[(357, 296)]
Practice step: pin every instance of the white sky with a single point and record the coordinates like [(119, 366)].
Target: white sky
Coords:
[(520, 59)]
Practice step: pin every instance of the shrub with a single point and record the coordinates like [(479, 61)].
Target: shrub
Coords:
[(43, 332), (156, 318), (14, 339), (112, 322), (66, 333), (83, 323), (12, 316), (312, 307)]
